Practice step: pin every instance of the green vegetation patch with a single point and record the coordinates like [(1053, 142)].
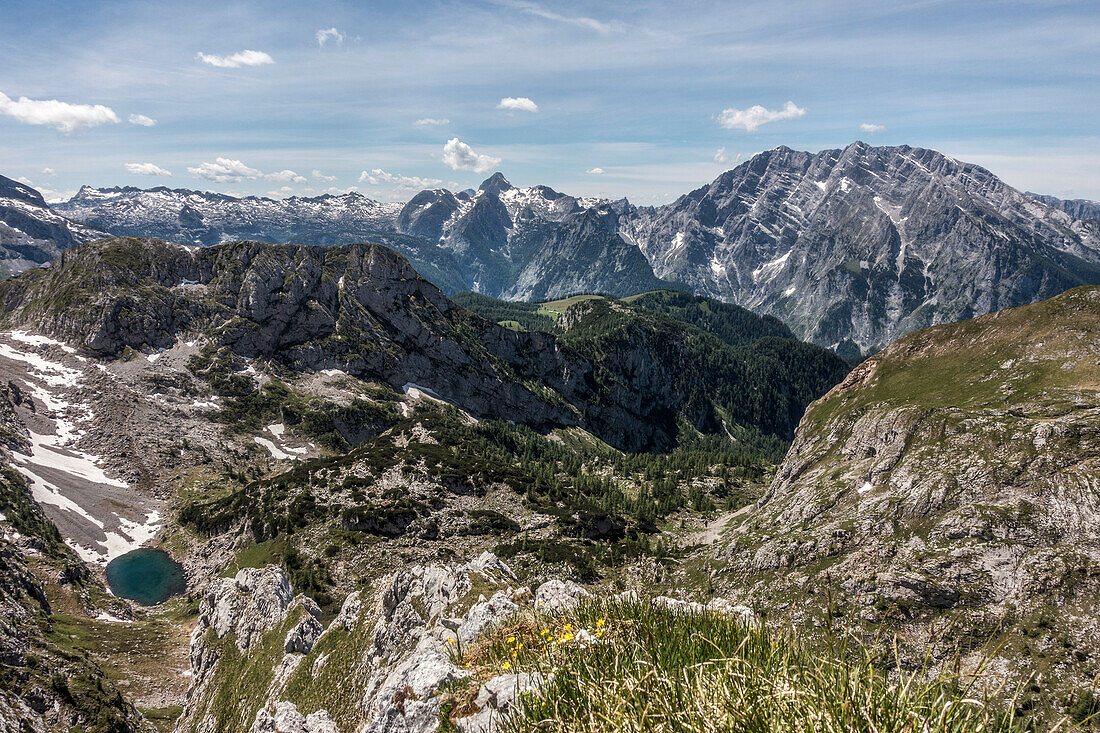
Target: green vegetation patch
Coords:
[(626, 666)]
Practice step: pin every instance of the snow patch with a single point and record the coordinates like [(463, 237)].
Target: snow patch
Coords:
[(769, 270), (865, 488), (276, 452)]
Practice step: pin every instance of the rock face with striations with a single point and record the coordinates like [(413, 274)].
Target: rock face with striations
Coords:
[(530, 243), (853, 248)]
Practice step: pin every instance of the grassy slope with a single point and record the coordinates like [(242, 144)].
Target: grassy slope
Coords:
[(993, 361), (645, 668)]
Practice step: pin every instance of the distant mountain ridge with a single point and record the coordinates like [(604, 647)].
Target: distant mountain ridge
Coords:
[(198, 217), (531, 243), (851, 247), (1077, 208), (31, 233)]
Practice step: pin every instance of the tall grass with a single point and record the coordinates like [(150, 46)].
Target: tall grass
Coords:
[(637, 667)]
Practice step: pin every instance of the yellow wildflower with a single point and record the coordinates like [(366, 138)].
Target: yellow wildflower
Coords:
[(506, 665), (511, 639)]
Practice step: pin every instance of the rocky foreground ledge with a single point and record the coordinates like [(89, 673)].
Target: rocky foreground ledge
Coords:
[(262, 660)]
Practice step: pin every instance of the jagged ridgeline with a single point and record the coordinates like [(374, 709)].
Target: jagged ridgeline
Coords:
[(633, 377)]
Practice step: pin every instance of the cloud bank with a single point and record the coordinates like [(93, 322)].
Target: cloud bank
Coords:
[(377, 177), (871, 127), (286, 176), (225, 170)]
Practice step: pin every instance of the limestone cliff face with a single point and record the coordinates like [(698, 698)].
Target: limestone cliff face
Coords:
[(856, 247), (958, 469), (361, 309), (261, 660)]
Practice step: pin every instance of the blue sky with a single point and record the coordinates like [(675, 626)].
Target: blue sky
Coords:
[(647, 93)]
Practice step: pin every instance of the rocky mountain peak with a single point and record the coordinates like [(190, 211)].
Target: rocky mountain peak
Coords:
[(495, 184)]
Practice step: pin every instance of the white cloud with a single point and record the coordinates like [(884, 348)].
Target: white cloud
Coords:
[(522, 104), (461, 156), (49, 172), (25, 181), (286, 176), (594, 171), (329, 34), (146, 169), (61, 116), (377, 177), (141, 120), (56, 197), (721, 156), (319, 176), (241, 58), (871, 127), (283, 191), (755, 116), (578, 20), (224, 170), (431, 122)]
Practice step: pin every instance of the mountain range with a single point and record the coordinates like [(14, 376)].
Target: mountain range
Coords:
[(355, 469), (851, 247)]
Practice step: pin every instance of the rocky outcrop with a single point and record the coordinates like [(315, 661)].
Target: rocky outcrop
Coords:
[(955, 471), (419, 614), (395, 658), (246, 608), (287, 719)]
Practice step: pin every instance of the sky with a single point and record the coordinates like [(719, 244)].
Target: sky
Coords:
[(647, 100)]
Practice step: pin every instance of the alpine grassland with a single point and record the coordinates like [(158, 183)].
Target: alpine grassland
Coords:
[(626, 666)]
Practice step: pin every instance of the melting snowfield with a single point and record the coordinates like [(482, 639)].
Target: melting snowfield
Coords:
[(276, 445), (99, 516)]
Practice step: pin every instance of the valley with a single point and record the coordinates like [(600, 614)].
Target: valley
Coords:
[(325, 410), (304, 427)]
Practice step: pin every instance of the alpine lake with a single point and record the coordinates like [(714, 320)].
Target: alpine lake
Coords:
[(146, 575)]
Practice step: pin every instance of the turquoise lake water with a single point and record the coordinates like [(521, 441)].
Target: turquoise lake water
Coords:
[(146, 575)]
